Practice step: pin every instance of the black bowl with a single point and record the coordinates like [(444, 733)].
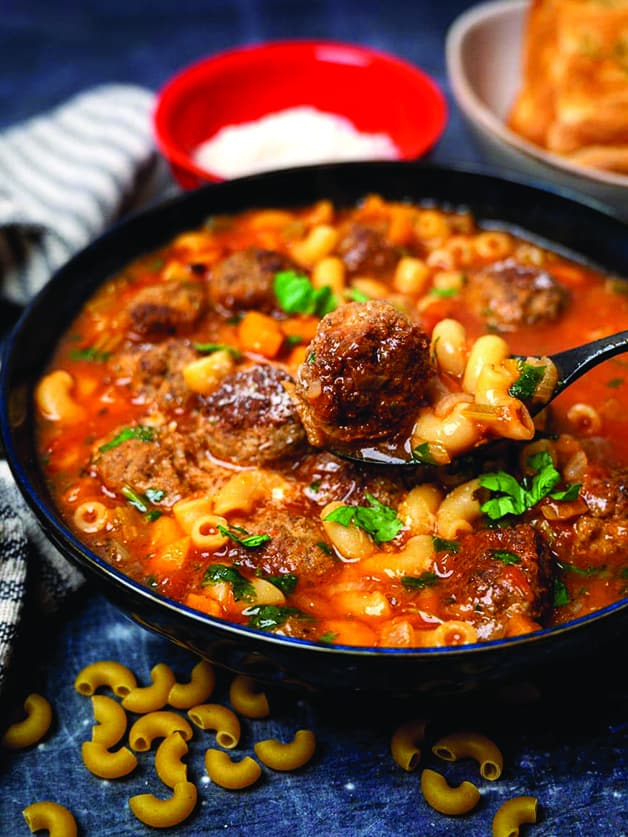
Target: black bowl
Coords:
[(551, 217)]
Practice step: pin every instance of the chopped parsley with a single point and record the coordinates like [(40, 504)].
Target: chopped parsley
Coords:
[(286, 582), (296, 294), (140, 431), (512, 497), (561, 596), (325, 548), (419, 582), (442, 545), (422, 453), (356, 296), (241, 587), (294, 339), (90, 353), (529, 378), (249, 541), (378, 520), (443, 293), (328, 636), (614, 383), (586, 571), (210, 348), (269, 617), (505, 556), (142, 502)]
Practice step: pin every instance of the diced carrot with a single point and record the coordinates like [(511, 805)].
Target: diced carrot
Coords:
[(304, 327), (297, 356), (260, 334), (569, 274), (170, 559), (163, 531), (401, 228), (204, 603)]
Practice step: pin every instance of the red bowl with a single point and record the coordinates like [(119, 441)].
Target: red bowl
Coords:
[(377, 92)]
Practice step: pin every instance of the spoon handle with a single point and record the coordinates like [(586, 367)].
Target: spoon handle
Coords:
[(573, 363)]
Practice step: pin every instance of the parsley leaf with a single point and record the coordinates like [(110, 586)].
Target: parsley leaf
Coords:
[(419, 582), (505, 556), (241, 586), (249, 541), (286, 582), (141, 502), (91, 354), (356, 296), (378, 520), (140, 431), (422, 453), (296, 294), (516, 498), (268, 617), (442, 545), (561, 596), (529, 378), (210, 348), (328, 636)]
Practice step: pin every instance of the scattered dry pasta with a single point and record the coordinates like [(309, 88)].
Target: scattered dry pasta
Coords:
[(198, 690), (164, 813), (513, 813), (116, 676), (56, 818), (111, 718), (33, 727), (157, 725), (230, 774), (106, 763), (145, 699), (247, 698), (168, 760), (404, 744), (460, 745), (215, 716), (287, 756), (445, 799)]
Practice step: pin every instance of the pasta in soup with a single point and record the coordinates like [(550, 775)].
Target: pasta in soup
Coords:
[(186, 419)]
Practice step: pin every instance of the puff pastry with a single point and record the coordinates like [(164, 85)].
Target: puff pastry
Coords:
[(574, 96)]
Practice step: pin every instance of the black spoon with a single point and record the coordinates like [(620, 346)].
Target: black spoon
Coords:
[(570, 365)]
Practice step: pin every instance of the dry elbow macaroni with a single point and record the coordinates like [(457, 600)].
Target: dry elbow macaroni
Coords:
[(57, 819), (404, 744), (513, 813), (215, 716), (165, 813), (232, 775), (288, 756), (35, 725), (198, 690), (460, 745), (247, 699), (445, 799), (116, 676), (145, 699)]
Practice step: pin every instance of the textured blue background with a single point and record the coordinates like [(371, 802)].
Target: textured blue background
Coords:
[(566, 743)]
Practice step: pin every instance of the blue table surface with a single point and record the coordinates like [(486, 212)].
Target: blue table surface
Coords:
[(564, 736)]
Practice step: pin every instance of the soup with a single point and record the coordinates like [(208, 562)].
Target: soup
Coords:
[(184, 418)]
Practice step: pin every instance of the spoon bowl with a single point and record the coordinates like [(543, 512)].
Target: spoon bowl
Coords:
[(570, 365)]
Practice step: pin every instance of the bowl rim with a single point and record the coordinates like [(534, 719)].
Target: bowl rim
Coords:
[(352, 54), (461, 28), (58, 532)]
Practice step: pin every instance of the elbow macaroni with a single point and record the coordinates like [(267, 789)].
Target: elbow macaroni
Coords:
[(445, 799), (33, 727), (404, 744), (472, 745), (198, 690), (247, 698), (230, 774), (164, 813), (116, 676), (145, 699), (513, 813), (157, 725), (56, 818), (288, 756), (215, 716)]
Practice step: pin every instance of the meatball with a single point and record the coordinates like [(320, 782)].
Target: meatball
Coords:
[(251, 418), (364, 375), (140, 465), (154, 372), (365, 250), (499, 580), (164, 310), (507, 295), (244, 280)]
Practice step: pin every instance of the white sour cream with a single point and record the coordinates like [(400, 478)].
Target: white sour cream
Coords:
[(293, 137)]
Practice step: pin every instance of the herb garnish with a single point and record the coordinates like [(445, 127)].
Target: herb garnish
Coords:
[(505, 556), (140, 431), (422, 453), (419, 582), (443, 293), (561, 596), (240, 586), (328, 636), (442, 545), (210, 348), (90, 353), (356, 296), (529, 378), (378, 520), (268, 617), (141, 502), (296, 294), (249, 541), (516, 498), (286, 582)]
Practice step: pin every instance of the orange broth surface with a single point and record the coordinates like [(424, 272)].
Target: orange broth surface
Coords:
[(400, 594)]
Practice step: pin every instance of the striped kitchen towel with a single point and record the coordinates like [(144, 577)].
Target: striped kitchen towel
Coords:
[(65, 177)]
